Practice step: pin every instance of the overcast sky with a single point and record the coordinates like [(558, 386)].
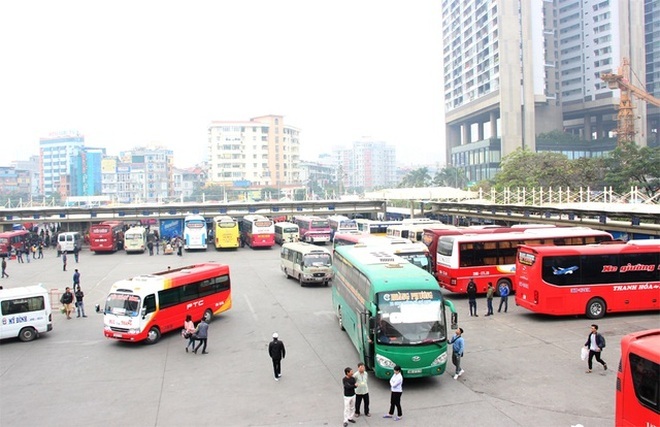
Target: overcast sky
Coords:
[(129, 73)]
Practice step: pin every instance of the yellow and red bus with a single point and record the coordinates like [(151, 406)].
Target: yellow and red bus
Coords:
[(592, 280), (492, 257), (145, 307), (637, 381), (257, 231), (107, 236), (226, 233)]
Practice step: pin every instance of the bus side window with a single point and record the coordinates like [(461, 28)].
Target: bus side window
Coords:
[(149, 304)]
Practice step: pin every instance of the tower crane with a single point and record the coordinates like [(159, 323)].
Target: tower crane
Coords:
[(626, 118)]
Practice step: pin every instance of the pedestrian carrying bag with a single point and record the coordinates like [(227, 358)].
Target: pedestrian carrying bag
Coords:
[(584, 353), (185, 334)]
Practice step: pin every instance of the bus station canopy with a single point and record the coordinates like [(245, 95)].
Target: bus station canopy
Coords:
[(423, 193)]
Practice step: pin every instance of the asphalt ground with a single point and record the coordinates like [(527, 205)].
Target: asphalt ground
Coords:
[(521, 369)]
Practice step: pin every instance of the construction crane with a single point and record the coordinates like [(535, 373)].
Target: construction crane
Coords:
[(626, 117)]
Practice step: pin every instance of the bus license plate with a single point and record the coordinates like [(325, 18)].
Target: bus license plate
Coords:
[(117, 335), (414, 371)]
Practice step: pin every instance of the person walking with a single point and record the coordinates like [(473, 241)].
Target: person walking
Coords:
[(80, 307), (40, 249), (472, 297), (201, 334), (277, 352), (504, 298), (595, 343), (396, 388), (458, 346), (150, 246), (350, 385), (19, 256), (189, 327), (179, 247), (490, 292), (4, 268), (67, 300), (27, 254), (157, 242), (362, 391), (64, 261), (76, 278), (76, 252)]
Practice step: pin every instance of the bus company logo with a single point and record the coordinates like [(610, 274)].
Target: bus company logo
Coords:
[(526, 259), (416, 358), (642, 287), (580, 290), (15, 319), (629, 268), (408, 296), (199, 303)]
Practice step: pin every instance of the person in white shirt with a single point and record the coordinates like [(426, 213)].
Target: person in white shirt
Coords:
[(396, 386), (362, 391)]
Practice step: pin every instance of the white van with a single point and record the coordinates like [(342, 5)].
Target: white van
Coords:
[(68, 241), (306, 262), (25, 312), (135, 239)]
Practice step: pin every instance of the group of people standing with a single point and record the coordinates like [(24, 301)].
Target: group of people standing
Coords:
[(356, 391), (490, 294), (68, 298)]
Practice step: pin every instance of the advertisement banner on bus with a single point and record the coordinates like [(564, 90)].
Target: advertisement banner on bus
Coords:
[(170, 228)]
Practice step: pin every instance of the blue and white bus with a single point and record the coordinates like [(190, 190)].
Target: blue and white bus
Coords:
[(194, 232)]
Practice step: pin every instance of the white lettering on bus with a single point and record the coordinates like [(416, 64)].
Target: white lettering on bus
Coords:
[(199, 303)]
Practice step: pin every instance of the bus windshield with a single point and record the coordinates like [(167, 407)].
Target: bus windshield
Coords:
[(420, 260), (122, 305), (317, 260), (414, 317)]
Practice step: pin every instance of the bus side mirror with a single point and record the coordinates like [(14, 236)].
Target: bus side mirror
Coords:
[(143, 312), (454, 320)]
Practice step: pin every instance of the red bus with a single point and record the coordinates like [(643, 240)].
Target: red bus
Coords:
[(591, 280), (434, 233), (107, 236), (492, 257), (637, 384), (145, 307), (257, 231), (17, 240), (313, 229)]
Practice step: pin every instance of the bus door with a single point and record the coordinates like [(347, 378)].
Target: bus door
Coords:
[(366, 331)]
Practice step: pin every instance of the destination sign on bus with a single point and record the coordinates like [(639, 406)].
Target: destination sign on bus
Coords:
[(262, 223), (392, 297), (526, 258)]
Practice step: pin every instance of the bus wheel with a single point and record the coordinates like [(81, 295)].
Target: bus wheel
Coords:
[(596, 308), (300, 280), (153, 336), (208, 315), (27, 334), (286, 273), (341, 319)]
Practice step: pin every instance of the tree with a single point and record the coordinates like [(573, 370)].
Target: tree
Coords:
[(524, 168), (451, 176), (629, 165), (417, 178)]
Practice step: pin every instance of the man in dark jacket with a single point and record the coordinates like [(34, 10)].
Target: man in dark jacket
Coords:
[(472, 297), (277, 352)]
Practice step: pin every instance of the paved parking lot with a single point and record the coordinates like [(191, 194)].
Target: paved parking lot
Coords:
[(520, 368)]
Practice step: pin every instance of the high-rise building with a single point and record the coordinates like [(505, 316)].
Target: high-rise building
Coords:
[(150, 174), (55, 154), (514, 69), (32, 166), (367, 165), (260, 152), (652, 48), (86, 173)]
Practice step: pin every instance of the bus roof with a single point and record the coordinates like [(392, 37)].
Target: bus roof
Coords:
[(286, 224), (645, 343), (385, 271), (399, 248), (223, 218), (22, 291), (136, 229), (306, 248), (13, 233), (532, 233), (596, 249), (159, 280)]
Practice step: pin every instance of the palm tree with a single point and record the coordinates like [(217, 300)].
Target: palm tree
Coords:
[(451, 176), (416, 178)]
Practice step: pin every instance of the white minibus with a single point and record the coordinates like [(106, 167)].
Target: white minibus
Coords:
[(25, 312), (286, 232), (306, 262), (135, 239)]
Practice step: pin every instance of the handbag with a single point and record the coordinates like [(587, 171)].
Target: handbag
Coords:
[(185, 334), (584, 353)]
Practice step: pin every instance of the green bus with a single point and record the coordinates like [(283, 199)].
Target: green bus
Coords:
[(392, 310)]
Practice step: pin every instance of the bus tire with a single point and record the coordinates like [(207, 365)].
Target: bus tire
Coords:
[(300, 280), (596, 308), (286, 273), (153, 335), (27, 334), (208, 316), (503, 282), (341, 319)]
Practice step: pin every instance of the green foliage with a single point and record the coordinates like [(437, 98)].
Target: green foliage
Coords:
[(557, 137), (451, 176), (417, 178), (629, 165)]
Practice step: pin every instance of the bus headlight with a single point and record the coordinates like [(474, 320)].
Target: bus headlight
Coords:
[(440, 360), (385, 362), (133, 331)]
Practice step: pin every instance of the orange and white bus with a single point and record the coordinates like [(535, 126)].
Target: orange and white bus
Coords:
[(492, 257), (592, 280), (107, 236), (225, 232), (257, 231), (637, 384), (313, 229), (145, 307)]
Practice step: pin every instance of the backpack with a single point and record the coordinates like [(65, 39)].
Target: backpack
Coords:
[(602, 339)]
